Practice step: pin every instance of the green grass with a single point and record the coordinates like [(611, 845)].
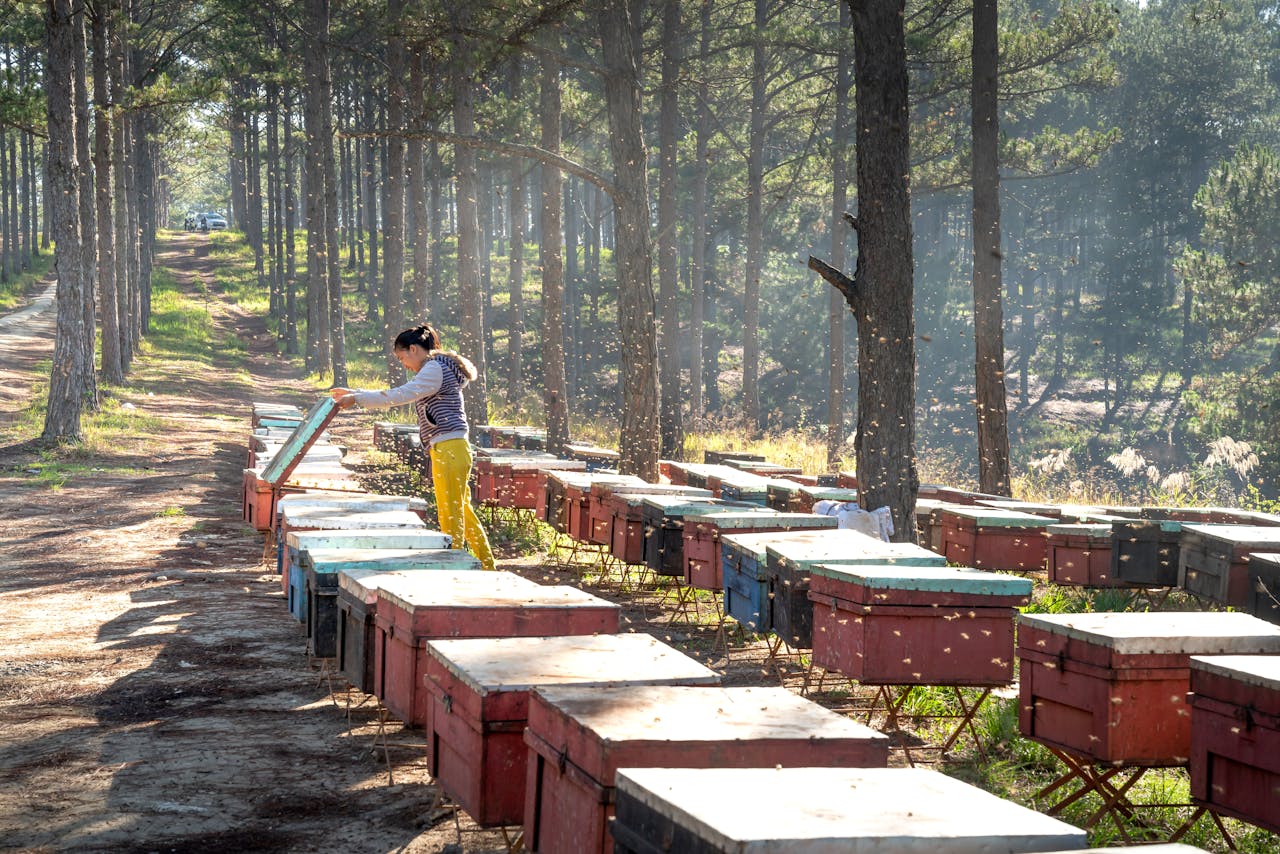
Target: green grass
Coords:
[(13, 292)]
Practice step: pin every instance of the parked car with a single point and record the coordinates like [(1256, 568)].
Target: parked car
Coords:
[(212, 221)]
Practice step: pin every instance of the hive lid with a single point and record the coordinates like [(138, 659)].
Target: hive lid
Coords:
[(764, 516), (495, 665), (829, 493), (1080, 529), (1265, 558), (845, 810), (995, 517), (358, 502), (364, 584), (336, 560), (1163, 632), (1260, 670), (933, 579), (843, 546), (306, 433), (683, 505), (678, 713), (1167, 525), (389, 538), (1237, 535), (351, 521), (461, 591)]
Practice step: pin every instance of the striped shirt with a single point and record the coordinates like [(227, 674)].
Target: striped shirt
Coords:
[(436, 395)]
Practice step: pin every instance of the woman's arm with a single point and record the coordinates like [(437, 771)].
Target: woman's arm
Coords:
[(424, 384)]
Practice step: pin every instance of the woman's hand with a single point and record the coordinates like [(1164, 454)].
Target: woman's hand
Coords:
[(344, 397)]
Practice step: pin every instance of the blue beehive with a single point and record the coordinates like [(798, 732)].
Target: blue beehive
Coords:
[(746, 581)]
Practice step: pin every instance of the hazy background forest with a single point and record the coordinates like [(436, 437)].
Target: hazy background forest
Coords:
[(1140, 199)]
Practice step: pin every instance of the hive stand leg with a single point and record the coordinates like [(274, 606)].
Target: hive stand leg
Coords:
[(1090, 781), (1115, 802), (1200, 811), (966, 721)]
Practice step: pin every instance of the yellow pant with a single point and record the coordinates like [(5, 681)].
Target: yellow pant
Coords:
[(450, 474)]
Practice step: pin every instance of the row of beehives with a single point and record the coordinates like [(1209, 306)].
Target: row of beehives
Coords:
[(481, 687), (898, 619)]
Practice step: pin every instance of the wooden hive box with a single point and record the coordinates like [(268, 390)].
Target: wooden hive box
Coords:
[(790, 560), (916, 625), (480, 704), (320, 569), (783, 495), (1211, 562), (811, 495), (664, 517), (471, 605), (845, 480), (493, 477), (929, 522), (357, 631), (824, 811), (1079, 555), (991, 538), (1235, 736), (1144, 552), (386, 538), (579, 498), (316, 519), (596, 457), (718, 457), (579, 737), (1112, 687), (517, 480), (743, 486), (1264, 586), (702, 533), (603, 510)]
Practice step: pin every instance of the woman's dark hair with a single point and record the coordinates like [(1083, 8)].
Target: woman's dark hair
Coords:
[(424, 336)]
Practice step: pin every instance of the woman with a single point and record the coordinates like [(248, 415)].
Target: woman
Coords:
[(436, 394)]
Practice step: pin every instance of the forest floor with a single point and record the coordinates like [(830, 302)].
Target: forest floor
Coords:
[(154, 692)]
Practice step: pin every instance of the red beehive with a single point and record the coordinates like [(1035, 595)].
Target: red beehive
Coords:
[(472, 605), (915, 625), (580, 737), (989, 538), (517, 479), (1235, 736), (1080, 555), (626, 527), (602, 508), (480, 704), (702, 532), (1112, 687)]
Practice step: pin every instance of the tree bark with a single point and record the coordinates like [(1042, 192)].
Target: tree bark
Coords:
[(519, 214), (470, 293), (988, 313), (290, 218), (836, 307), (318, 353), (393, 216), (885, 440), (418, 190), (337, 332), (67, 383), (620, 33), (103, 21), (698, 254), (555, 387), (371, 210), (670, 419), (755, 224)]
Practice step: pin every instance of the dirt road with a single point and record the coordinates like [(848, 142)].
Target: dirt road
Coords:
[(154, 695)]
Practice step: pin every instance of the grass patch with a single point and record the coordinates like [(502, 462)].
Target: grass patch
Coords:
[(13, 293)]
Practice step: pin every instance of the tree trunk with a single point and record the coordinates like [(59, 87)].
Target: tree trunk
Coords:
[(755, 224), (698, 254), (120, 200), (393, 216), (988, 314), (464, 158), (290, 218), (555, 388), (519, 214), (112, 367), (885, 440), (836, 308), (371, 209), (337, 332), (435, 168), (670, 418), (67, 383), (418, 191), (620, 33), (88, 213), (318, 353)]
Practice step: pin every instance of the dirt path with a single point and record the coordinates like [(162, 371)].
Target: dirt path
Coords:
[(154, 695)]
